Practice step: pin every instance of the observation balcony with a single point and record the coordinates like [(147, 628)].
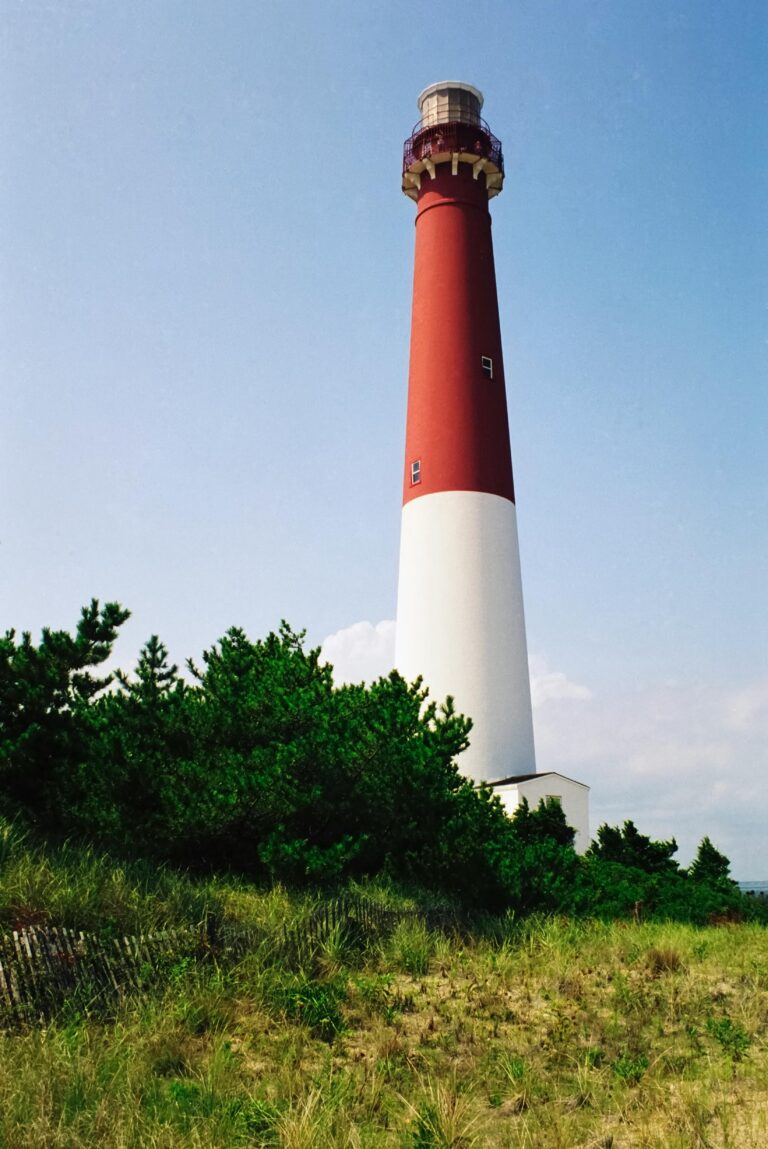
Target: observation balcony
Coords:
[(454, 142)]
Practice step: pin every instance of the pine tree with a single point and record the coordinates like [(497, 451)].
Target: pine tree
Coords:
[(629, 847), (710, 866), (43, 691)]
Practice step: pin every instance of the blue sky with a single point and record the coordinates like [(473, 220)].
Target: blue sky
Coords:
[(205, 297)]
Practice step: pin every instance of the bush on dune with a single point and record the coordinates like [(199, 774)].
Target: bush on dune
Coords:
[(261, 766)]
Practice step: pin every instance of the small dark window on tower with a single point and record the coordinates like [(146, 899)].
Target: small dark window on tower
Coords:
[(487, 365), (415, 472)]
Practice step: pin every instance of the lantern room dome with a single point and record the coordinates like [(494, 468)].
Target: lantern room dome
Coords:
[(450, 101)]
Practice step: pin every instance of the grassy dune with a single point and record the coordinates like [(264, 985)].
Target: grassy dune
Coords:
[(546, 1034)]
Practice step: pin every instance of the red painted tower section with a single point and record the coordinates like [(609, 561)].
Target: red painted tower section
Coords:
[(457, 415), (460, 622)]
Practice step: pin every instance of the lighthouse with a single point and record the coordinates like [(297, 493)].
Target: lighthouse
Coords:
[(460, 620)]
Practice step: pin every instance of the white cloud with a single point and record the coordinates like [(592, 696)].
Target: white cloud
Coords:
[(361, 652), (552, 685)]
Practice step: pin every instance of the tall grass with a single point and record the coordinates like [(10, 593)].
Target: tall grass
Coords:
[(74, 885), (542, 1033)]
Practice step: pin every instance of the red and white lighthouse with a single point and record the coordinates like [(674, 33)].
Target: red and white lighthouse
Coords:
[(460, 622)]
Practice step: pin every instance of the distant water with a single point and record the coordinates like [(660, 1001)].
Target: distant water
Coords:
[(753, 888)]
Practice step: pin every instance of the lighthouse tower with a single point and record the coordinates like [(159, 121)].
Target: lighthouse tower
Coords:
[(460, 622)]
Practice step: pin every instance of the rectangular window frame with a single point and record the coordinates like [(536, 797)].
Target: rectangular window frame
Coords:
[(486, 366), (415, 472)]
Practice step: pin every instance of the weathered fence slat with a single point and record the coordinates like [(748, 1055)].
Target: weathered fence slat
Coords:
[(9, 979), (25, 990), (46, 992)]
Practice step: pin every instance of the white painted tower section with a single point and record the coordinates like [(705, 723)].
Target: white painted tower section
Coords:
[(460, 622)]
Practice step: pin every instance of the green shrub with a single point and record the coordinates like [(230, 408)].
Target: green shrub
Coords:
[(733, 1038), (316, 1004), (630, 1067)]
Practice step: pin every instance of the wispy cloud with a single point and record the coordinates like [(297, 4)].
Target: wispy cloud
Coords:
[(747, 708), (680, 759)]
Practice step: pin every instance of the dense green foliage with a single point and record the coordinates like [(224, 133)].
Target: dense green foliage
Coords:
[(260, 765), (43, 691)]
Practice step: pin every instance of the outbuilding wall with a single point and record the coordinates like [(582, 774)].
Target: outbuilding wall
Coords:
[(574, 798)]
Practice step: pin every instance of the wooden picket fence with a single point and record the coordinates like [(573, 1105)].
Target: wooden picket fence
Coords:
[(47, 969)]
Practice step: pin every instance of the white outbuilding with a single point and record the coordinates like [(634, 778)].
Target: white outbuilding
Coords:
[(573, 797)]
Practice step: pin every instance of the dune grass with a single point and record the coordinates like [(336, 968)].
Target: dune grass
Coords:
[(543, 1033)]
